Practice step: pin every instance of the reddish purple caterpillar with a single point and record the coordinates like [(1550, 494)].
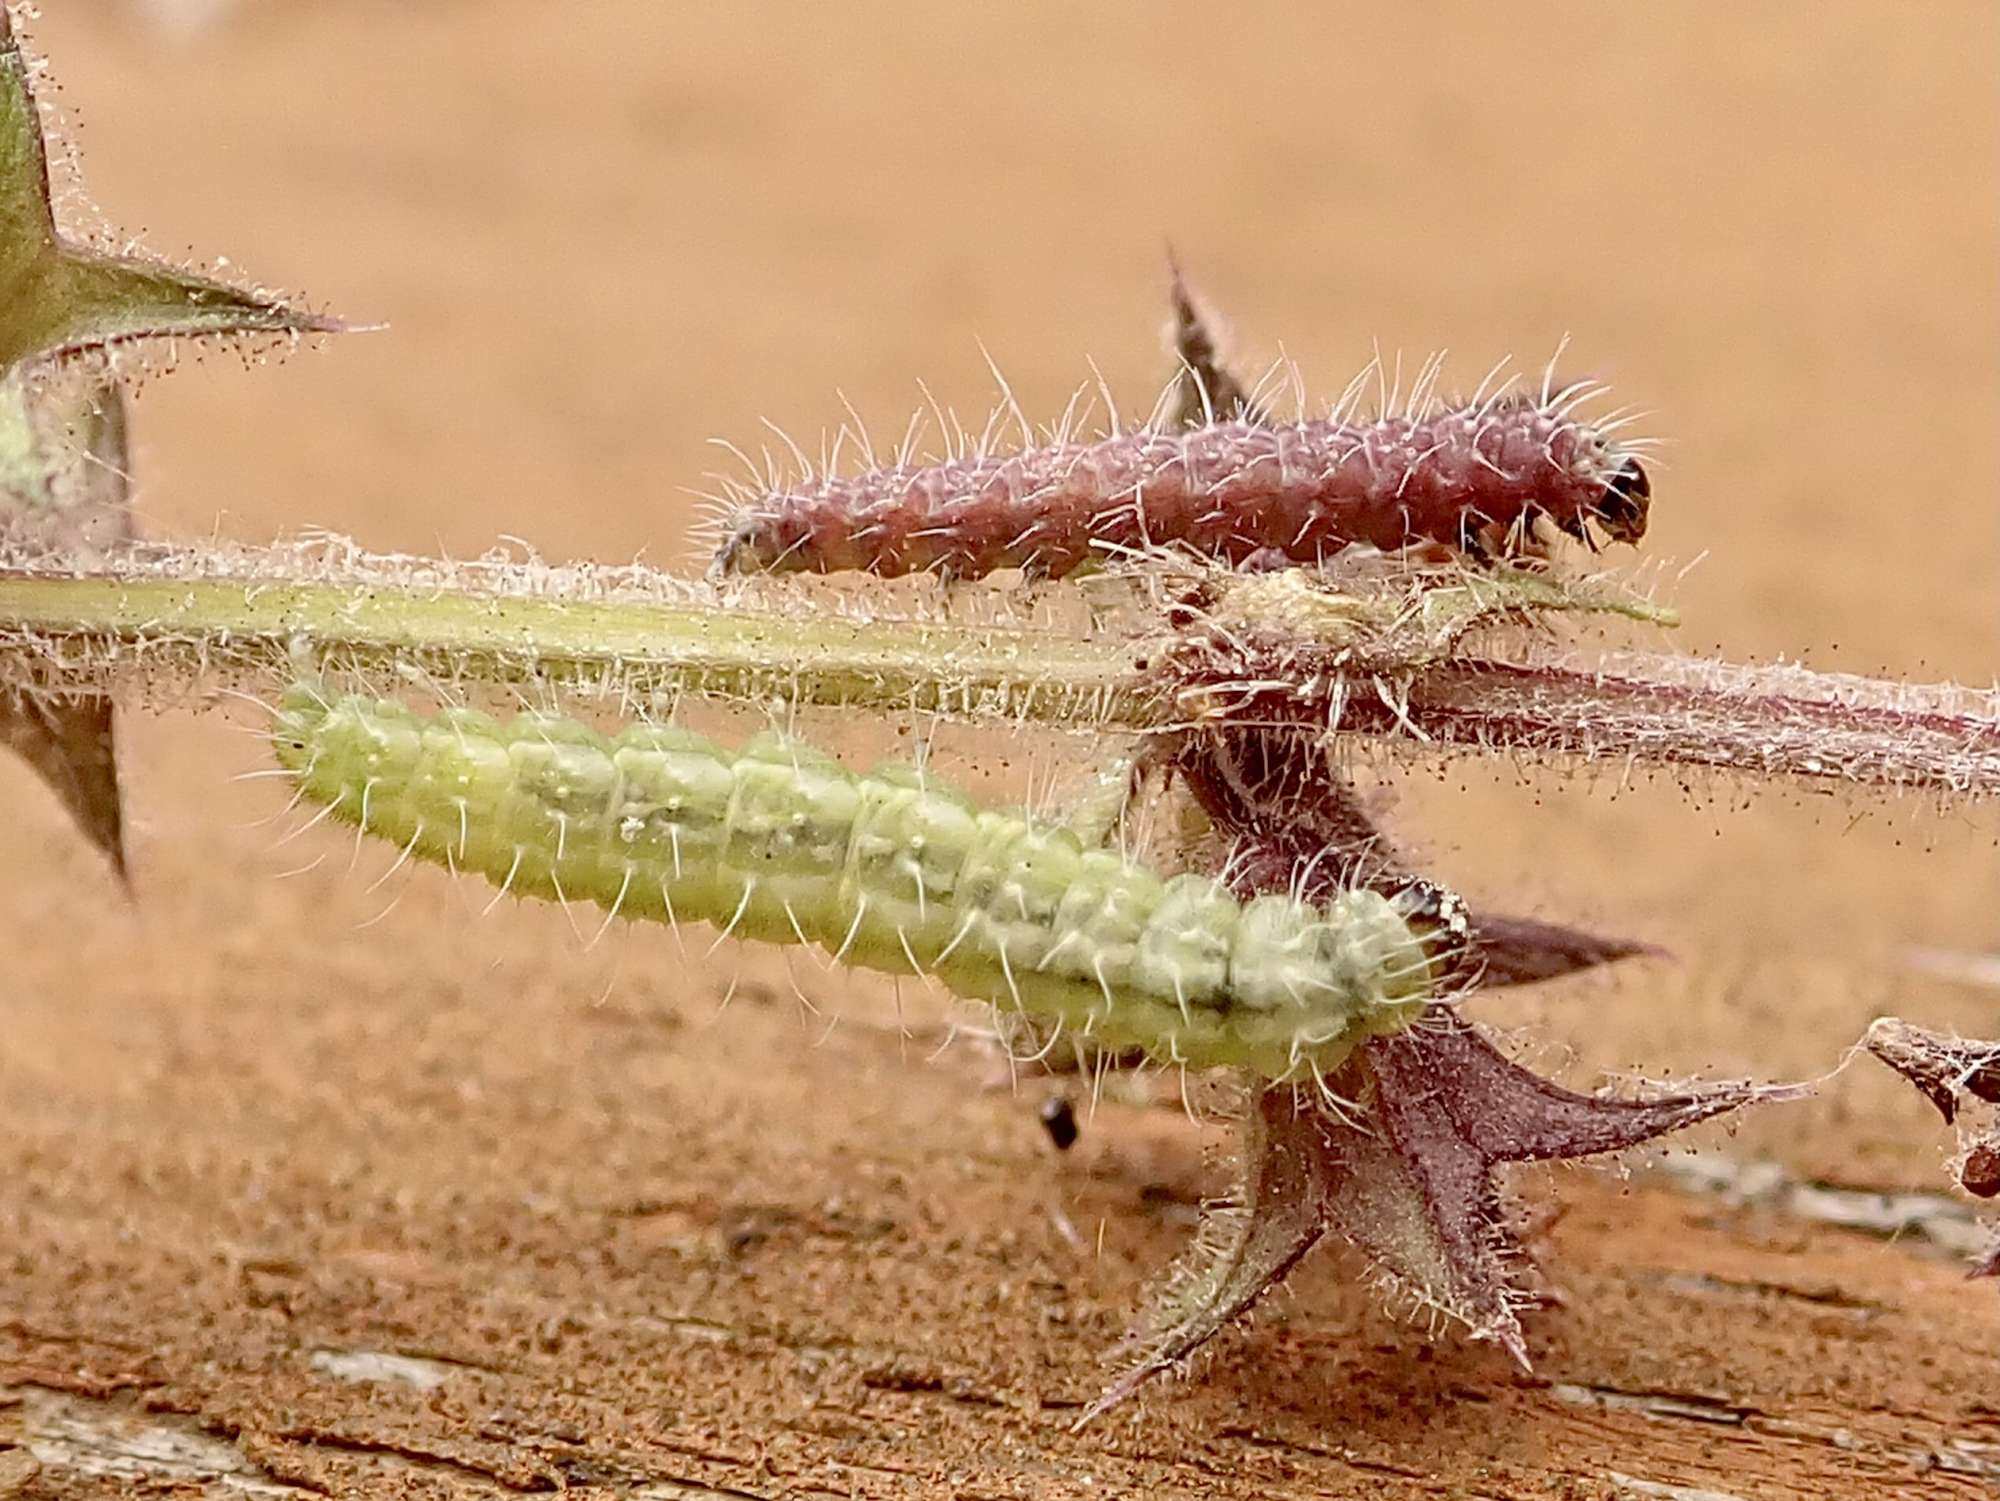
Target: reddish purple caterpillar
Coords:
[(1475, 478)]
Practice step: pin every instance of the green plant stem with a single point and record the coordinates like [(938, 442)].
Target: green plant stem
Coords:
[(67, 635)]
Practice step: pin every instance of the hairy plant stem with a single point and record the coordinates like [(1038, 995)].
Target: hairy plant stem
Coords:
[(1672, 711), (626, 634), (1362, 656)]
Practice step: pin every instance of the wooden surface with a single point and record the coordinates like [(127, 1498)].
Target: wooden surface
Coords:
[(450, 1206)]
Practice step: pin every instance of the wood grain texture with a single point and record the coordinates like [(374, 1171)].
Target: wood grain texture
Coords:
[(243, 1154)]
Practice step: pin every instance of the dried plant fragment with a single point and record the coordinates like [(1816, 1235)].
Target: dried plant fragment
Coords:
[(64, 491), (1940, 1067), (60, 299), (1204, 390), (1979, 1168)]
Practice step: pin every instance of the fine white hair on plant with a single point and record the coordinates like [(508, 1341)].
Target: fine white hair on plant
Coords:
[(781, 843)]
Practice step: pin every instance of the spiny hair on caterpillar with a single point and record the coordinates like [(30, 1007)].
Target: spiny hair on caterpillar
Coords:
[(1477, 475), (1092, 413), (781, 843)]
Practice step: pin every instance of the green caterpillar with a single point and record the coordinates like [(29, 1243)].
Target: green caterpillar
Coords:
[(782, 843)]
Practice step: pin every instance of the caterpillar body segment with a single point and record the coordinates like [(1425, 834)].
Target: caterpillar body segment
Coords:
[(1473, 479), (889, 872)]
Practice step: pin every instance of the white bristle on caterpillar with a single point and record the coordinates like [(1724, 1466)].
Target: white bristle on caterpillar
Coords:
[(782, 843)]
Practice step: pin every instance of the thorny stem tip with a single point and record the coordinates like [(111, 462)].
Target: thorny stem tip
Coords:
[(68, 309), (62, 300)]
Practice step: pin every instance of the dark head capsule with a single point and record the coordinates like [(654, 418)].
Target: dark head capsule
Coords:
[(1621, 509)]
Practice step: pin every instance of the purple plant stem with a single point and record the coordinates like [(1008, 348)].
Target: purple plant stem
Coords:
[(1293, 811), (1767, 722)]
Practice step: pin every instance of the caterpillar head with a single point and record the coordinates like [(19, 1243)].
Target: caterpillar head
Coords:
[(1440, 917), (1621, 509), (296, 722)]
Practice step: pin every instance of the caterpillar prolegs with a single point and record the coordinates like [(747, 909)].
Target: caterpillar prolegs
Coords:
[(783, 843)]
